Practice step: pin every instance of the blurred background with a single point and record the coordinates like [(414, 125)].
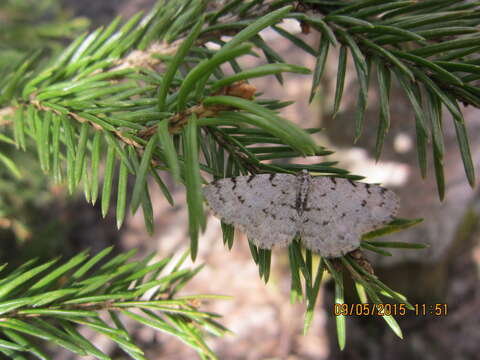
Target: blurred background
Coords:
[(38, 219)]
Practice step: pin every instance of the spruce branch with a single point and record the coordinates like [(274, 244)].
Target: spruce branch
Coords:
[(42, 302)]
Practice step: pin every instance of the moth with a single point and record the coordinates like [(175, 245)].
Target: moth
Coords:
[(329, 214)]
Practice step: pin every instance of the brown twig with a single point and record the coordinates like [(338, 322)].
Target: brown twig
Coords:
[(238, 89)]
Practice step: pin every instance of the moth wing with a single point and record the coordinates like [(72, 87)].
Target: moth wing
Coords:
[(339, 211), (263, 206)]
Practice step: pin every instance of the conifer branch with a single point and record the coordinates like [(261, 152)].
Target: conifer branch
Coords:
[(40, 302)]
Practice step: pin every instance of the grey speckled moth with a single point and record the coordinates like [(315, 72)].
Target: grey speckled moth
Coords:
[(330, 214)]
